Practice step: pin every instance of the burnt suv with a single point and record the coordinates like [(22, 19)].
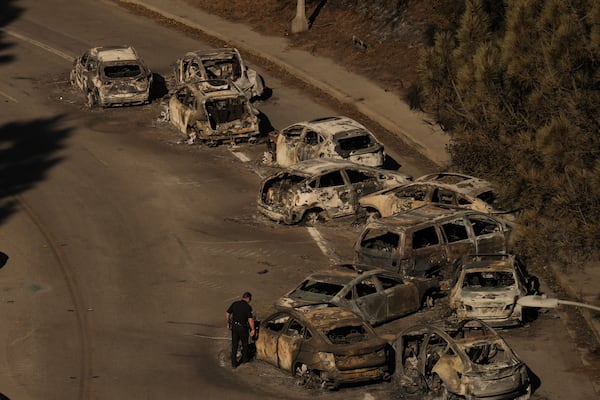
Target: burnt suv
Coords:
[(430, 240), (212, 112), (112, 76)]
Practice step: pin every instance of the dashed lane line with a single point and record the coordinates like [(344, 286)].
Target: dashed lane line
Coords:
[(41, 45)]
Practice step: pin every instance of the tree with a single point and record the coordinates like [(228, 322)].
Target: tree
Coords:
[(519, 92)]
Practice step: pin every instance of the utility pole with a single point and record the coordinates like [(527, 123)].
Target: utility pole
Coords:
[(300, 23)]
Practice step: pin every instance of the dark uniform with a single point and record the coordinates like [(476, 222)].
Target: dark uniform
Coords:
[(239, 314)]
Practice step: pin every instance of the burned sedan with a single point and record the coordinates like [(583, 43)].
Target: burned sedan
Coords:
[(488, 286), (318, 190), (331, 137), (212, 112), (323, 346), (112, 76), (468, 361), (224, 63), (470, 193), (376, 295)]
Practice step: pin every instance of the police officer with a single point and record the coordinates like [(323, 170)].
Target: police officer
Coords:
[(241, 322)]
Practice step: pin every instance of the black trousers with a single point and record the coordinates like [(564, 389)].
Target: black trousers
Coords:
[(239, 333)]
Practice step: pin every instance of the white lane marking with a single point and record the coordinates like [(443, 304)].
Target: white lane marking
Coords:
[(41, 45), (240, 156), (316, 235), (9, 97)]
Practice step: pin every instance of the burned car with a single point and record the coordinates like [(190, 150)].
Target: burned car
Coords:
[(318, 190), (376, 295), (323, 346), (224, 63), (487, 287), (470, 193), (330, 137), (468, 361), (430, 240), (212, 112), (112, 76)]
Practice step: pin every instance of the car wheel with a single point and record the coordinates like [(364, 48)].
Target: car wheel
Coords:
[(372, 214), (72, 79), (429, 300), (91, 99), (437, 387), (313, 217), (307, 377)]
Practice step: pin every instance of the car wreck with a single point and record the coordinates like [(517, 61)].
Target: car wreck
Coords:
[(318, 190), (223, 63), (469, 193), (376, 295), (331, 137), (468, 361), (488, 287), (323, 346), (430, 240), (112, 76), (212, 112)]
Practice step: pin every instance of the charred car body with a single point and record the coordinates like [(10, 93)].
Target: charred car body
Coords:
[(317, 190), (376, 295), (224, 63), (213, 112), (470, 360), (323, 345), (112, 76), (470, 193), (488, 286), (331, 137), (430, 240)]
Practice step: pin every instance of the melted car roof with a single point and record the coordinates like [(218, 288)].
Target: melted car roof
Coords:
[(114, 53)]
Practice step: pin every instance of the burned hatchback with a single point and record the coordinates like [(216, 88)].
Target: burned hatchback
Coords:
[(376, 295), (469, 193), (488, 287), (112, 76), (318, 190), (468, 361), (223, 63), (430, 240), (330, 137), (323, 346), (212, 112)]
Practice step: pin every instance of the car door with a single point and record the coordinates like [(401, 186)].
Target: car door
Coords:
[(407, 198), (369, 300), (289, 344), (490, 234), (268, 338), (458, 240), (427, 251), (287, 140), (80, 70), (309, 146), (335, 195), (181, 108), (402, 296)]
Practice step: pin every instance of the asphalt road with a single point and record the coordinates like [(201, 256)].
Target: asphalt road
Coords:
[(125, 248)]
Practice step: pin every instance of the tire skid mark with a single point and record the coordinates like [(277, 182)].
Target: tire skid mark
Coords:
[(76, 298)]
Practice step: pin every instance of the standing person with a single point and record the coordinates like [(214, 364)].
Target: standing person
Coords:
[(240, 320)]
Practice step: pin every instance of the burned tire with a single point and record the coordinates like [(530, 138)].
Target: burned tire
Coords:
[(307, 377), (313, 217), (92, 99)]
